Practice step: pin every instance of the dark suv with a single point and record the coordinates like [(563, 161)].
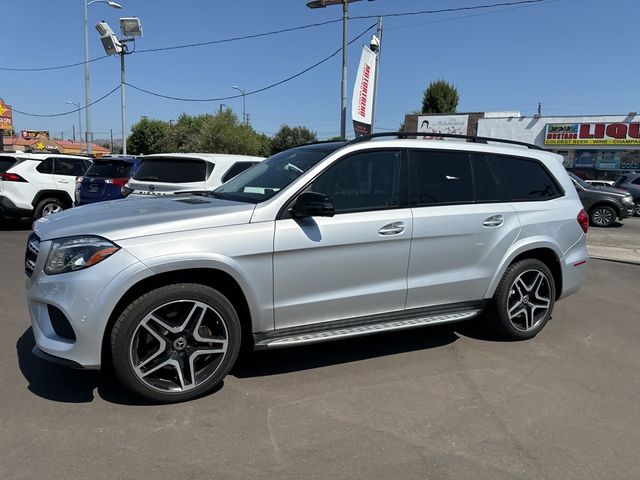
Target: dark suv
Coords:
[(631, 183), (604, 205), (104, 179)]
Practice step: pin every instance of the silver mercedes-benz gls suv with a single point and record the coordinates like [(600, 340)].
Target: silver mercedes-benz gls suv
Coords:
[(320, 242)]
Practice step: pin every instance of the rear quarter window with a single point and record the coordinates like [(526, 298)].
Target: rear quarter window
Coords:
[(236, 169), (6, 163), (171, 170), (524, 179)]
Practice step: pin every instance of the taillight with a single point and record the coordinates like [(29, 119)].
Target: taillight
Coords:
[(118, 182), (583, 220), (11, 177)]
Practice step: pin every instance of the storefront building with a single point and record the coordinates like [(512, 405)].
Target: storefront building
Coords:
[(594, 147)]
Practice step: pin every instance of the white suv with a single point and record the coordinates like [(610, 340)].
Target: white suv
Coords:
[(319, 242), (169, 173), (38, 184)]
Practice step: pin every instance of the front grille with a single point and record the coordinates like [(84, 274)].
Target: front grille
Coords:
[(31, 255)]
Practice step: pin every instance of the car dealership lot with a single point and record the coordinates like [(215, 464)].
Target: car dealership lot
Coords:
[(442, 402)]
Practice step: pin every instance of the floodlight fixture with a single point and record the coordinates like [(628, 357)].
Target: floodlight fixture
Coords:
[(110, 42), (130, 27)]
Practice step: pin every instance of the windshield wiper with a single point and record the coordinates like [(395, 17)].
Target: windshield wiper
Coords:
[(146, 179)]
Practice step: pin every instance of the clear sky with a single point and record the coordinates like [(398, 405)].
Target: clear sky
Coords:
[(575, 56)]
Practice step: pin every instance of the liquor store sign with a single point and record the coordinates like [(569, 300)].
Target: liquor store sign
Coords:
[(592, 134)]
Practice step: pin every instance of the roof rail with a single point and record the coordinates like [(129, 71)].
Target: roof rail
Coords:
[(472, 138)]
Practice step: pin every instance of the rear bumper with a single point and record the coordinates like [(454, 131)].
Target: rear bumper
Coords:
[(8, 209), (574, 267)]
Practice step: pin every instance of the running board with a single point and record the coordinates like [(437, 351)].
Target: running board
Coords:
[(282, 339)]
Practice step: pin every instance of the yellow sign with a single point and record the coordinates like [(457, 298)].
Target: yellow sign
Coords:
[(40, 146), (6, 116), (592, 141)]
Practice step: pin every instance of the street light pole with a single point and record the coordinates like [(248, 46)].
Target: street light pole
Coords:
[(79, 121), (87, 93), (343, 83), (244, 105), (123, 111)]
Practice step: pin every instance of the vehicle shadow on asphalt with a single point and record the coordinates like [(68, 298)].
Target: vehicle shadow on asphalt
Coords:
[(62, 384), (294, 359), (15, 225)]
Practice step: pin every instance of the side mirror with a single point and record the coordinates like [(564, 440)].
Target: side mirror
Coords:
[(313, 204)]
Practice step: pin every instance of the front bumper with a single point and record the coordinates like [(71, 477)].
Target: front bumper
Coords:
[(84, 298)]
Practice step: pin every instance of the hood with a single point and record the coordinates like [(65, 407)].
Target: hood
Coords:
[(615, 191), (136, 217)]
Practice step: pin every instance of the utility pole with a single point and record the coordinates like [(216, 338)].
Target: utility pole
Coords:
[(74, 132), (221, 105), (375, 82), (539, 109), (111, 132)]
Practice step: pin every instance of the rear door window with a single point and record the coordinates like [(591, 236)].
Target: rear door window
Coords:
[(525, 179), (71, 167), (440, 177), (236, 169), (620, 181), (46, 166), (636, 181), (489, 187), (109, 169), (171, 170), (6, 163)]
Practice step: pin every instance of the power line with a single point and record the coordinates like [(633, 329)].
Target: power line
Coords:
[(449, 10), (259, 90), (276, 32), (70, 111)]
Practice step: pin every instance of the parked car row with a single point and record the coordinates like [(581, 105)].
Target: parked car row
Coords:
[(34, 185)]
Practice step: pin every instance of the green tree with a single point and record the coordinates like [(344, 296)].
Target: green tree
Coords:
[(440, 97), (223, 133), (149, 136), (288, 137)]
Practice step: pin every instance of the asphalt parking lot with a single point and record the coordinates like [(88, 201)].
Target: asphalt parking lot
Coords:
[(439, 403)]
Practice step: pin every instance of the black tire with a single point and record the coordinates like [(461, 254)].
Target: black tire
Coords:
[(508, 294), (132, 333), (636, 209), (47, 206), (602, 216)]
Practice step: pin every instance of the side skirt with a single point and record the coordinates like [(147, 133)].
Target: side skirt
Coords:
[(367, 325)]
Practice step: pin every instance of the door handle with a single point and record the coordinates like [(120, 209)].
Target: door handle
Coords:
[(64, 181), (494, 221), (392, 228)]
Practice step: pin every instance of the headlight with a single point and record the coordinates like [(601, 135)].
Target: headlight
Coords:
[(75, 253), (628, 199)]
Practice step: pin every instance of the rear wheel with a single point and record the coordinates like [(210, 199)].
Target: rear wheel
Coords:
[(524, 300), (602, 216), (175, 343), (47, 207), (636, 209)]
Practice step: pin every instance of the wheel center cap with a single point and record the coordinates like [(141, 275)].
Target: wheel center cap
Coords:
[(525, 300), (180, 344)]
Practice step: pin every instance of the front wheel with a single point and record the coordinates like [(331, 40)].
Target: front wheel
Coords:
[(175, 343), (602, 216), (523, 301), (636, 209)]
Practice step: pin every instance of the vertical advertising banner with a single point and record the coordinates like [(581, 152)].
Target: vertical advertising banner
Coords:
[(6, 119), (362, 98)]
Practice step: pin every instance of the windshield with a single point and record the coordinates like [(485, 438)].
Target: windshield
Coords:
[(266, 179), (579, 181)]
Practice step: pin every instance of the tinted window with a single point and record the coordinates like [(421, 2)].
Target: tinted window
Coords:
[(6, 163), (109, 169), (46, 166), (440, 177), (235, 169), (364, 181), (636, 181), (171, 170), (526, 180), (71, 167), (488, 186)]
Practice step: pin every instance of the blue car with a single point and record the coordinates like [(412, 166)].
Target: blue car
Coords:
[(104, 179)]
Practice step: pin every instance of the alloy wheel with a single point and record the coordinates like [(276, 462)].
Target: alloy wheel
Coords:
[(636, 209), (179, 346), (529, 300), (602, 216), (50, 209)]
